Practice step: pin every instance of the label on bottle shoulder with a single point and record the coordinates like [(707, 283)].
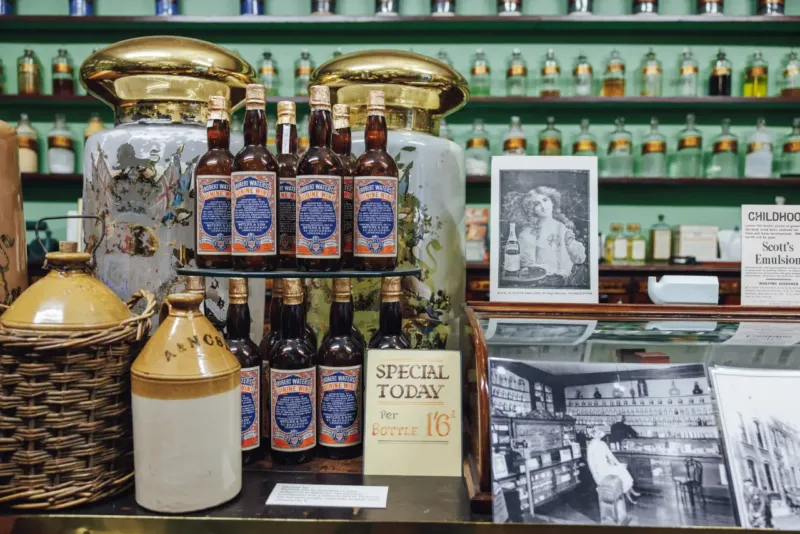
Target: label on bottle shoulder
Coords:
[(30, 143), (293, 409), (27, 67), (348, 207), (551, 70), (253, 212), (268, 69), (654, 147), (478, 70), (62, 68), (621, 144), (477, 142), (251, 407), (651, 70), (757, 71), (264, 397), (661, 244), (303, 70), (340, 405), (319, 215), (689, 70), (760, 145), (690, 141), (60, 141), (517, 70), (515, 143), (620, 250), (287, 213), (550, 144), (721, 71), (213, 215), (375, 228), (790, 147), (584, 145), (615, 67), (791, 71), (286, 139), (582, 69), (726, 145)]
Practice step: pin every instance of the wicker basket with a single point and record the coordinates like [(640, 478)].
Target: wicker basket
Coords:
[(65, 421)]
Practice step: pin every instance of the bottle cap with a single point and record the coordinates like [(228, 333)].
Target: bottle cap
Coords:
[(287, 112), (634, 227), (277, 288), (320, 98), (217, 103), (255, 96), (341, 289), (68, 246), (237, 290), (341, 116), (377, 103), (194, 284), (391, 289), (184, 301), (292, 291)]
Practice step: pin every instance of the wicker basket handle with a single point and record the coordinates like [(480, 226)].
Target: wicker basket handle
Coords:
[(96, 246), (143, 319)]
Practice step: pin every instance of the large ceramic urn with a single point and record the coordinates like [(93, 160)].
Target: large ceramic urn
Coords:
[(419, 91), (138, 176)]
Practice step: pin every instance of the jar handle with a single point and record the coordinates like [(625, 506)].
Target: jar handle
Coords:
[(96, 246)]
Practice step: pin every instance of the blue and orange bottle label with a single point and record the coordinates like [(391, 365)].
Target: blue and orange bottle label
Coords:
[(251, 408), (340, 406), (213, 215), (319, 216), (375, 225), (254, 202), (293, 409)]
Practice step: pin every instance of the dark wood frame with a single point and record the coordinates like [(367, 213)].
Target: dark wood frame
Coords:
[(477, 464)]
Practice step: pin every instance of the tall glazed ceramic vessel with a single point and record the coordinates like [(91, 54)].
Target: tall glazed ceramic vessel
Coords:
[(419, 92), (13, 263), (138, 176)]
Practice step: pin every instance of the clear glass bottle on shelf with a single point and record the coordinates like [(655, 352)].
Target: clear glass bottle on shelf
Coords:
[(514, 142), (477, 155), (586, 143), (551, 74), (724, 161), (614, 77), (689, 74), (268, 74), (758, 162), (790, 161), (443, 7), (95, 125), (387, 7), (582, 81), (619, 160), (651, 75), (509, 7), (791, 76), (637, 244), (550, 139), (60, 148), (323, 7), (516, 75), (303, 68), (719, 84), (771, 7), (710, 7), (689, 159), (660, 241), (480, 82), (444, 130), (580, 7), (28, 143), (756, 76), (63, 79), (28, 74), (616, 245), (654, 153), (649, 7), (444, 57)]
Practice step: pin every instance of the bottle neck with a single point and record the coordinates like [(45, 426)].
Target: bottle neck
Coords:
[(255, 127), (342, 141), (275, 306), (238, 322), (341, 318), (219, 135), (279, 139), (293, 321), (320, 128), (375, 134), (391, 319)]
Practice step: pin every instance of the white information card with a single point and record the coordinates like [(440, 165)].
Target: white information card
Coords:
[(329, 495), (770, 255)]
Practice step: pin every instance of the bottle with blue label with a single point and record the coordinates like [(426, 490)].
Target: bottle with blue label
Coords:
[(339, 362), (167, 7), (81, 8), (213, 191), (286, 144), (252, 7), (375, 189), (254, 192), (293, 384), (319, 192), (238, 337), (6, 7)]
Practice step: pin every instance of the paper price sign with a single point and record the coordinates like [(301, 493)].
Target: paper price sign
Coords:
[(413, 413)]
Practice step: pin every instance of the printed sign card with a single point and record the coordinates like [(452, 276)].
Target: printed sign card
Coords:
[(413, 413)]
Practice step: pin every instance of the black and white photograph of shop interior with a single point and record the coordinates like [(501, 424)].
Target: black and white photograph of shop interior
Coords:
[(618, 444)]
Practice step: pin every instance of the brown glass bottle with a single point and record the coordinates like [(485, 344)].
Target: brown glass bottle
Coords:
[(390, 333), (375, 190), (310, 334), (319, 192), (267, 344), (286, 141), (254, 192), (249, 356), (63, 79), (213, 191), (293, 384), (339, 364), (341, 143)]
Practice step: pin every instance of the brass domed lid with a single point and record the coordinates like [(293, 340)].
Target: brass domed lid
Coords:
[(165, 78), (419, 90), (68, 298)]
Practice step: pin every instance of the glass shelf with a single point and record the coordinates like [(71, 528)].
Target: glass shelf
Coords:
[(284, 273)]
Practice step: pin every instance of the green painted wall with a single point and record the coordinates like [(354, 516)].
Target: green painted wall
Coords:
[(704, 205)]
